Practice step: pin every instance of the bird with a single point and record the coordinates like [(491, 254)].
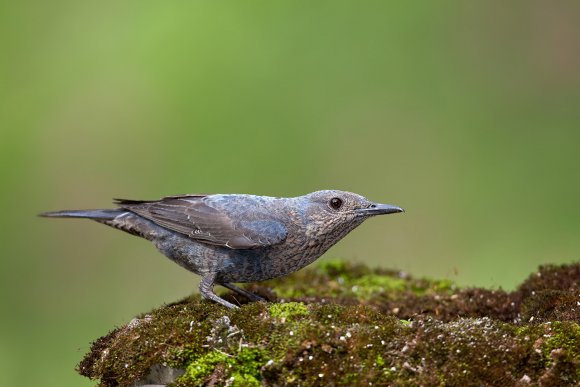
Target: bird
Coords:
[(239, 238)]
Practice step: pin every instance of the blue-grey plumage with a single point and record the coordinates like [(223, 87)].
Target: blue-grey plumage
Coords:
[(239, 238)]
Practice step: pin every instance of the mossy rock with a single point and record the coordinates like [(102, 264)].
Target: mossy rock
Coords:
[(344, 324)]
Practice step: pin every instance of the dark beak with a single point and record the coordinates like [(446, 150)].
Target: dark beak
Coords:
[(379, 209)]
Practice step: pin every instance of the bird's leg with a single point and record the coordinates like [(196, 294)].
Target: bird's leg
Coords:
[(206, 290), (249, 295)]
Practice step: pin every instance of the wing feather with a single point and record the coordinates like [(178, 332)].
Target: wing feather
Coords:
[(213, 220)]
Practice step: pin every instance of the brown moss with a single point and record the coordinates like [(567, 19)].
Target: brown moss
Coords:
[(346, 324)]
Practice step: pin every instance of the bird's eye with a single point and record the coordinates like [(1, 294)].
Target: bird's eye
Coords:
[(335, 203)]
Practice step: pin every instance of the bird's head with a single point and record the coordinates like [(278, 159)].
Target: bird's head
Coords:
[(338, 212)]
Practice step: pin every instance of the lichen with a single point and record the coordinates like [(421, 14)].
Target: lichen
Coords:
[(345, 324)]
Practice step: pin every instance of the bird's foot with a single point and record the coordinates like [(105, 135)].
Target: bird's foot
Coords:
[(249, 295)]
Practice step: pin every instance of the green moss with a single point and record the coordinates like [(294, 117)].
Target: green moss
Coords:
[(243, 380), (564, 336), (379, 361), (289, 310), (334, 267), (242, 369), (436, 286), (200, 368), (333, 278), (293, 293), (369, 284)]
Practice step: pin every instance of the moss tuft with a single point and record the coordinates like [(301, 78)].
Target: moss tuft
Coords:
[(369, 284), (202, 367), (334, 268), (288, 310), (563, 345), (241, 369)]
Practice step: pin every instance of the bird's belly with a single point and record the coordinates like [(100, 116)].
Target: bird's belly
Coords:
[(274, 262), (196, 257), (231, 265)]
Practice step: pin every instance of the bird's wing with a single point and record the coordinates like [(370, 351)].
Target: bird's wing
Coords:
[(202, 218)]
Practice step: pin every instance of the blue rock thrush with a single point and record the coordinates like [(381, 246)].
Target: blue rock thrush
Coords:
[(239, 238)]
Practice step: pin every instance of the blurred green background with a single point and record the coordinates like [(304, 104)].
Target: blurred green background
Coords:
[(467, 114)]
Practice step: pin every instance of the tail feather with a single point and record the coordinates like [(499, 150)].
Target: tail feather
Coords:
[(90, 214), (119, 218)]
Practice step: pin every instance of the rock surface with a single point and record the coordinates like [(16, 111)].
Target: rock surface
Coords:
[(343, 324)]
